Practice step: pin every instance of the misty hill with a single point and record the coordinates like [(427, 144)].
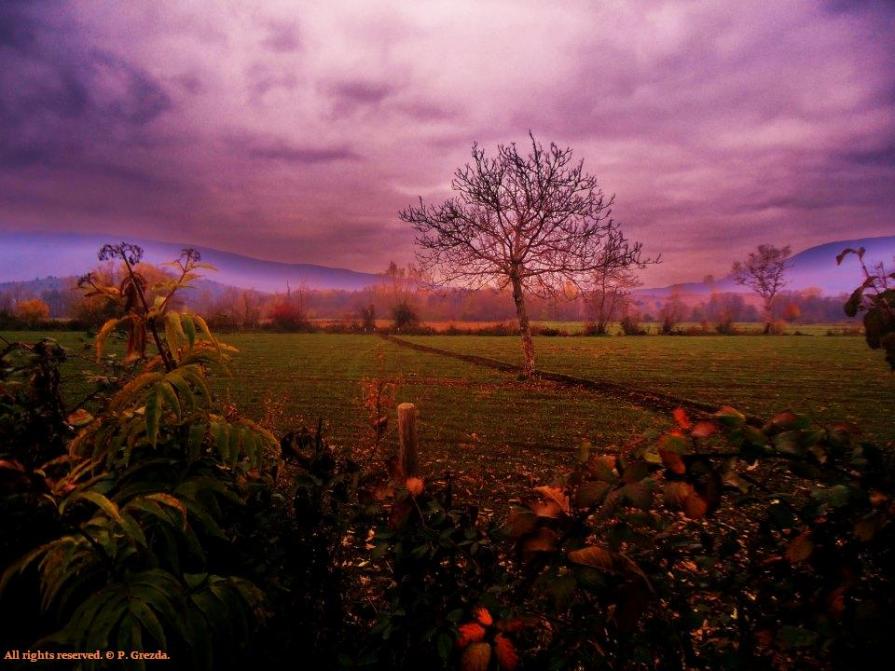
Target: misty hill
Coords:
[(25, 256), (812, 267)]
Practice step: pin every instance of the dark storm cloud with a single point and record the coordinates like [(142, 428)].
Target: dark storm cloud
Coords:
[(356, 95), (283, 151)]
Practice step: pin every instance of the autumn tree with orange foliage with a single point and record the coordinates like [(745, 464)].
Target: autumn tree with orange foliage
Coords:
[(32, 312)]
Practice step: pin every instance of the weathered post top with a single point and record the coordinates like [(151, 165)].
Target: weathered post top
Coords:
[(409, 439)]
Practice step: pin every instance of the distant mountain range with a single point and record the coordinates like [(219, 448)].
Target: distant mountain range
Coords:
[(814, 267), (26, 256)]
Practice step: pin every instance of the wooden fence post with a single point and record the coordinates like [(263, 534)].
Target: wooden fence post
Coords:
[(409, 439)]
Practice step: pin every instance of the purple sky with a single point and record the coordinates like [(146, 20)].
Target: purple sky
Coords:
[(295, 131)]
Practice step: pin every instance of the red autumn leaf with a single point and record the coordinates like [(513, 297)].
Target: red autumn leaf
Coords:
[(836, 601), (593, 556), (704, 429), (517, 623), (554, 494), (676, 493), (483, 616), (79, 418), (866, 528), (469, 633), (11, 465), (544, 540), (545, 508), (506, 654), (681, 419), (800, 548), (414, 486), (672, 461), (520, 522), (476, 657), (695, 506)]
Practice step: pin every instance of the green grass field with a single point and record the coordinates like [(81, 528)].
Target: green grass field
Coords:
[(827, 378), (472, 419), (486, 418)]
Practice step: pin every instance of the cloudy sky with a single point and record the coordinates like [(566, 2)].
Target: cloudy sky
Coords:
[(295, 130)]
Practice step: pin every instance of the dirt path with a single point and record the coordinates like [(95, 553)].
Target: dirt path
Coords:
[(649, 400)]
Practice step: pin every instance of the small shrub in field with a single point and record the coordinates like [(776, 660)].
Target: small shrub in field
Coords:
[(595, 329), (378, 396), (404, 317), (285, 315), (368, 318), (630, 325), (548, 331), (777, 327), (726, 327)]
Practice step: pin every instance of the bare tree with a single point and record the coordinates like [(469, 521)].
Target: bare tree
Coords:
[(764, 272), (673, 312), (532, 222), (607, 299)]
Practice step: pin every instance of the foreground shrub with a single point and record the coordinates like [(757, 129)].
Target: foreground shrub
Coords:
[(876, 299), (787, 576), (135, 552)]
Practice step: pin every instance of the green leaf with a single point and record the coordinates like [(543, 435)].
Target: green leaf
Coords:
[(189, 329), (171, 502), (836, 496), (103, 503), (149, 620), (797, 637), (729, 416), (153, 416), (167, 393)]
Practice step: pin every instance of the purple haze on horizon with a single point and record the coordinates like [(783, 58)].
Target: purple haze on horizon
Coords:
[(295, 133)]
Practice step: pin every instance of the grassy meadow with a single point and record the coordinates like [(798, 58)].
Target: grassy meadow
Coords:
[(473, 412), (827, 378)]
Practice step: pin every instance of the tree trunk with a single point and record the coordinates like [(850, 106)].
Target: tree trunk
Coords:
[(528, 348)]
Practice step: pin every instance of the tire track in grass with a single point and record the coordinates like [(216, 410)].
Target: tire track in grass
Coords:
[(654, 401)]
